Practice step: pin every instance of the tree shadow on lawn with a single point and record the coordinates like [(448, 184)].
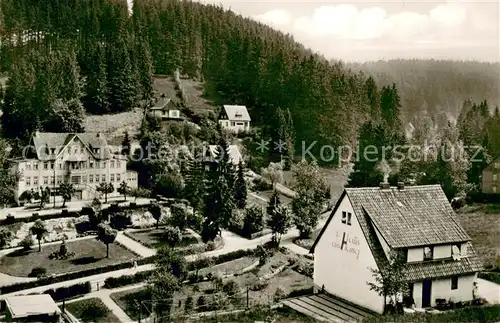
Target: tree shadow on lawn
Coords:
[(20, 253), (85, 260)]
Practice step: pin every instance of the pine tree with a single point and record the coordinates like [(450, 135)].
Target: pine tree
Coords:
[(219, 201), (71, 84), (97, 98), (241, 188), (121, 80), (126, 145), (195, 184), (145, 69)]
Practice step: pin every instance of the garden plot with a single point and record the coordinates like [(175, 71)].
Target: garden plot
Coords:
[(88, 253)]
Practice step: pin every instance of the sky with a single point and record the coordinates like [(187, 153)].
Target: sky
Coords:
[(359, 30)]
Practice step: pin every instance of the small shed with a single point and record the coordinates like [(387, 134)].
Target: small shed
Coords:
[(32, 308)]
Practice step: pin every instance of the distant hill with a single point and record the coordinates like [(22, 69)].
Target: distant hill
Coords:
[(437, 85)]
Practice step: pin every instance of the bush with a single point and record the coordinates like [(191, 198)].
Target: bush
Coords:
[(231, 288), (92, 311), (27, 242), (491, 276), (201, 304), (262, 185), (194, 221), (114, 282), (172, 236), (205, 262), (169, 185), (254, 220), (72, 291), (279, 294), (69, 276), (178, 216), (38, 272), (188, 305), (10, 219), (301, 292), (120, 220), (210, 246)]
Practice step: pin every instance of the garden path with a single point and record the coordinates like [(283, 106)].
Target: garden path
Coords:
[(105, 295), (134, 246)]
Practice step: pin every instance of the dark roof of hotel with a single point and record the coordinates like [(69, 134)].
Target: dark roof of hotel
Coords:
[(58, 141)]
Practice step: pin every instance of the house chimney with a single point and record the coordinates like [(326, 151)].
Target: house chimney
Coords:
[(385, 186), (401, 186)]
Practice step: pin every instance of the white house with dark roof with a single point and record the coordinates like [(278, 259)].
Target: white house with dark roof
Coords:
[(83, 159), (235, 118), (165, 108), (367, 223)]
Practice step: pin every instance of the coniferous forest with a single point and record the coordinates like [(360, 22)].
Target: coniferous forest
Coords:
[(246, 62), (67, 57)]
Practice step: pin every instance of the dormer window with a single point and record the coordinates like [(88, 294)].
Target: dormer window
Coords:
[(52, 151), (428, 253)]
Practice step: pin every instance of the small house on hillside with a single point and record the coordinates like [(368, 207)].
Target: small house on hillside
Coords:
[(491, 178), (418, 222), (32, 308), (165, 108), (235, 118)]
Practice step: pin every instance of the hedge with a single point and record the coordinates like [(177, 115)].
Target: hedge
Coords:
[(67, 292), (114, 282), (491, 276), (64, 213), (205, 262), (194, 265), (64, 277)]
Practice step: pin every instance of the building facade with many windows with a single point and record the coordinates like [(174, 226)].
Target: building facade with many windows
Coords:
[(83, 159)]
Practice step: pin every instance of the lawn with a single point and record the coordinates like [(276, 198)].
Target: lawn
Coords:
[(154, 238), (484, 229), (129, 301), (114, 125), (92, 310), (229, 268), (165, 85), (196, 100), (260, 314), (89, 253), (470, 314)]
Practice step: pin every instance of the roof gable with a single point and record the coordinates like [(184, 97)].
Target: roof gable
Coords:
[(43, 141), (237, 112), (164, 104)]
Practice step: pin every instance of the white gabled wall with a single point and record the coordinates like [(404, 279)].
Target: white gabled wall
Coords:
[(345, 272), (441, 288)]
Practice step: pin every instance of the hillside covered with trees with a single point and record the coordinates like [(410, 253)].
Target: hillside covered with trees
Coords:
[(243, 61), (437, 87)]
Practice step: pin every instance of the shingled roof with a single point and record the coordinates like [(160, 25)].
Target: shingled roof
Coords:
[(237, 112), (44, 142), (410, 217)]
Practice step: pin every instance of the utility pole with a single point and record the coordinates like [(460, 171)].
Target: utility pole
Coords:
[(54, 184), (248, 291)]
